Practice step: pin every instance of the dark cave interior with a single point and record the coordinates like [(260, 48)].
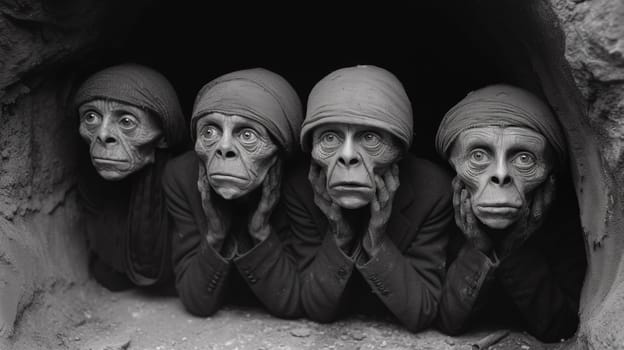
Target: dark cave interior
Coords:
[(438, 51)]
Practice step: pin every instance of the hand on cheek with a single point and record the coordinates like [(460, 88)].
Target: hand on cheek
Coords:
[(381, 209), (217, 222), (337, 224), (465, 218), (259, 226)]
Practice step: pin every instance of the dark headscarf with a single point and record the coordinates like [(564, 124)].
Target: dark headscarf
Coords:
[(141, 87), (500, 105), (145, 242), (366, 95), (258, 94)]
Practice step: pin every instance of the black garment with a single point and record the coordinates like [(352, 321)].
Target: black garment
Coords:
[(241, 273), (405, 276), (536, 287), (127, 226)]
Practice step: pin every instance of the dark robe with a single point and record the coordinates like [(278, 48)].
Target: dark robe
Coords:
[(535, 288), (127, 227), (403, 280), (242, 273)]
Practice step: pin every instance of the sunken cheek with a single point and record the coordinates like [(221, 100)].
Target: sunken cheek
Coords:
[(475, 176), (256, 152), (205, 149), (381, 158), (528, 181), (470, 175), (323, 155), (131, 137), (87, 134), (387, 155)]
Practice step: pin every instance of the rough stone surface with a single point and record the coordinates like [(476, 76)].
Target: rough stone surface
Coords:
[(594, 32), (42, 248), (594, 49), (571, 49), (40, 240), (93, 318)]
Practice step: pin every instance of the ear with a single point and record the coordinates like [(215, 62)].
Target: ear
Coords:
[(162, 142)]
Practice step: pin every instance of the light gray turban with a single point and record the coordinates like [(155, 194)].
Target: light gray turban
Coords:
[(365, 95), (258, 94), (500, 105)]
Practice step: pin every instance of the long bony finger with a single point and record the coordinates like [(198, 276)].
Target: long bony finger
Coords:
[(391, 179), (382, 193)]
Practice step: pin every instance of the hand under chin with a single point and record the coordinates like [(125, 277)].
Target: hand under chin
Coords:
[(112, 175), (497, 222), (352, 200), (115, 170), (230, 192), (111, 172)]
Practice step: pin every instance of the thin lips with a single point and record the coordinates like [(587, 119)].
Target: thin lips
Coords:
[(498, 205), (351, 184), (503, 209), (100, 159), (227, 175)]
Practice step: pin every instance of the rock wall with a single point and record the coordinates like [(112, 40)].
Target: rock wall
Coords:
[(41, 246), (39, 239), (571, 49), (594, 38), (574, 50)]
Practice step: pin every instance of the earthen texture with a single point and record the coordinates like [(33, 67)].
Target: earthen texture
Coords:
[(42, 247), (594, 50), (572, 49)]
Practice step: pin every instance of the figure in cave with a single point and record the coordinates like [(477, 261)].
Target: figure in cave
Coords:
[(519, 259), (230, 237), (132, 122), (369, 219)]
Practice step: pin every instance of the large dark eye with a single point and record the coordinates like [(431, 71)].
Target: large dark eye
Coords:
[(128, 122), (248, 135), (329, 139), (524, 160), (91, 118), (209, 132), (479, 156), (371, 139)]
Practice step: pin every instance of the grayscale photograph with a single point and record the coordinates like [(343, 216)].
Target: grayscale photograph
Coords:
[(230, 176)]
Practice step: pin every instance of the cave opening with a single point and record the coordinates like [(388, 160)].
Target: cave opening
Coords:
[(438, 51)]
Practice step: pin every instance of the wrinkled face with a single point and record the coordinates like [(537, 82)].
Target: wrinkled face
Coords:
[(350, 156), (237, 153), (501, 166), (122, 137)]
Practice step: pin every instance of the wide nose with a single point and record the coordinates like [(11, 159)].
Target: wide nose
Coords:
[(105, 134), (348, 155), (226, 149), (501, 174)]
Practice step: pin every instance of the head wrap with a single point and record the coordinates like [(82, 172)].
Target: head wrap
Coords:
[(142, 87), (500, 105), (365, 95), (144, 251), (258, 94)]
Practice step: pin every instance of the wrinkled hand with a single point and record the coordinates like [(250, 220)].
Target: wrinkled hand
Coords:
[(532, 218), (337, 224), (381, 208), (218, 222), (466, 220), (259, 226)]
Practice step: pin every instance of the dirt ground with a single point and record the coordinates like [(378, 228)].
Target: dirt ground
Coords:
[(88, 317)]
